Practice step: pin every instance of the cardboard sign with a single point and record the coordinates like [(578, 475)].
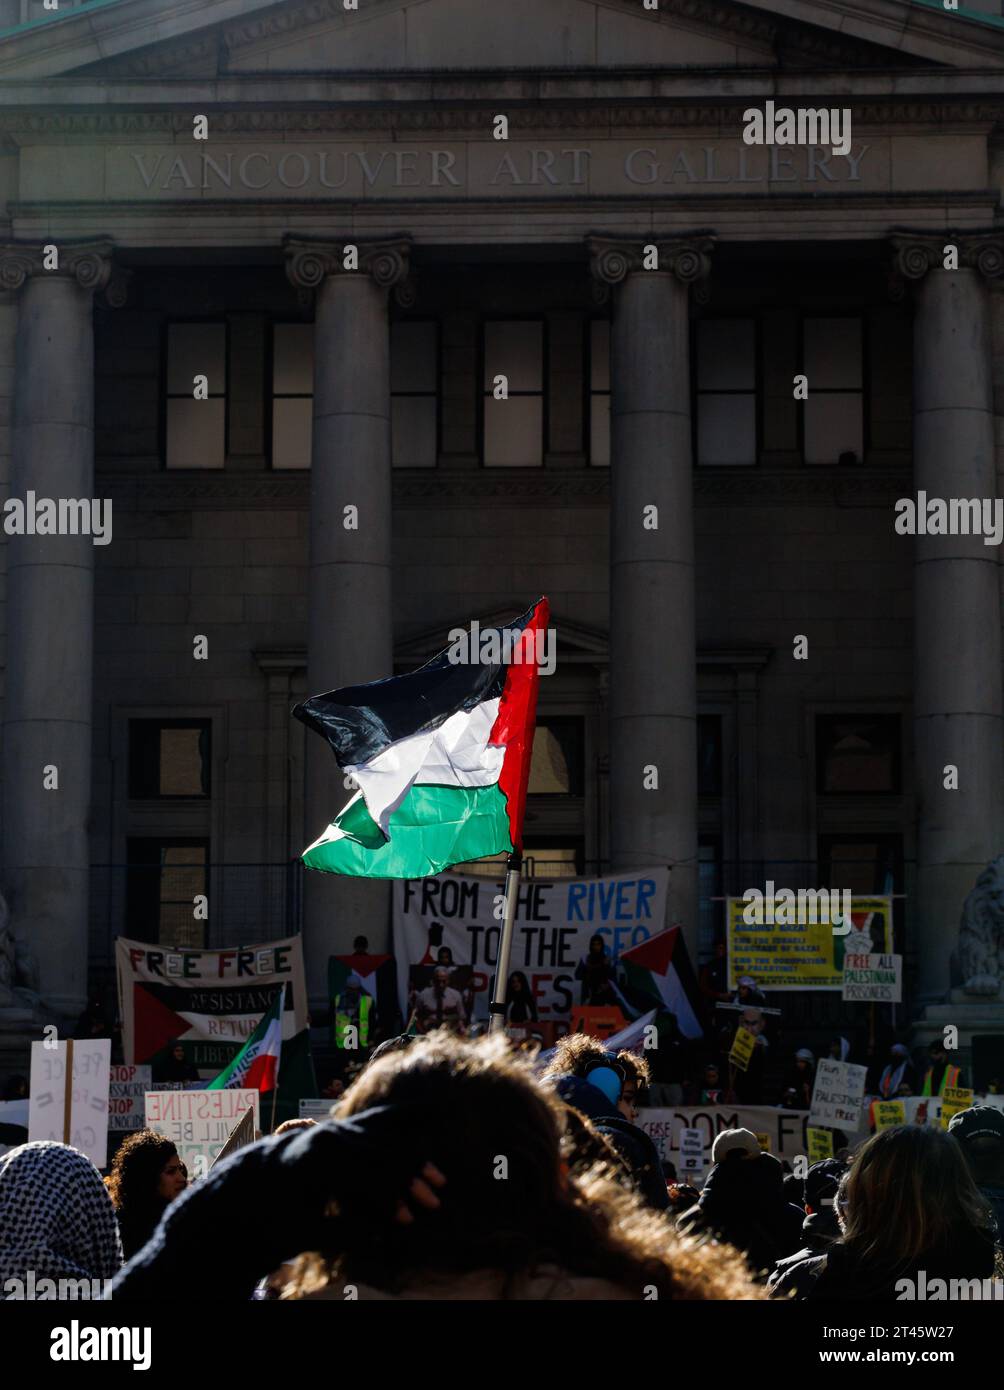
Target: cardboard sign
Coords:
[(954, 1099), (873, 978), (820, 1144), (198, 1123), (889, 1113), (742, 1048), (241, 1135), (126, 1088), (837, 1095), (69, 1100)]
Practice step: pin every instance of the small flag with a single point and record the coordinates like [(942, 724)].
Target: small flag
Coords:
[(441, 757), (659, 969), (256, 1066)]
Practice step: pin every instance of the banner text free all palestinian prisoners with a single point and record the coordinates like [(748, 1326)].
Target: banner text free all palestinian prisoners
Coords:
[(554, 920)]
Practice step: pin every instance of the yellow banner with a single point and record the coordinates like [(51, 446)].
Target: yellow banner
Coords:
[(806, 955)]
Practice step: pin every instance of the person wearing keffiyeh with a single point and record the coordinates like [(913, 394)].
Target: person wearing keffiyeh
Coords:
[(56, 1219)]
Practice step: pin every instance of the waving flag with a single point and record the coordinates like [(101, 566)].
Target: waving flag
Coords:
[(256, 1066), (659, 969), (441, 757)]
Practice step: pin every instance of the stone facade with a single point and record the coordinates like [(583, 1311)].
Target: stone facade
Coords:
[(375, 129)]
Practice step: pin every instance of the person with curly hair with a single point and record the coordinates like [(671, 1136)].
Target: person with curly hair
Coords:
[(146, 1177), (401, 1195)]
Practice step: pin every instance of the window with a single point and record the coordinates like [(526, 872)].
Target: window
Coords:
[(857, 753), (833, 418), (514, 428), (164, 877), (865, 864), (557, 765), (414, 383), (169, 759), (726, 391), (196, 429), (709, 880), (292, 394), (599, 392)]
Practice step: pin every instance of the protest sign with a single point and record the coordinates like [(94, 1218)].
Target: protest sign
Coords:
[(922, 1110), (954, 1099), (313, 1109), (126, 1088), (241, 1135), (838, 1094), (742, 1048), (820, 1144), (803, 955), (554, 921), (691, 1151), (889, 1113), (69, 1095), (666, 1124), (209, 1001), (596, 1021), (198, 1123), (873, 978)]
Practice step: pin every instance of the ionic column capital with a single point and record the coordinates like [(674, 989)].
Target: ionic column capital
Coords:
[(915, 253), (612, 259), (90, 263), (308, 263)]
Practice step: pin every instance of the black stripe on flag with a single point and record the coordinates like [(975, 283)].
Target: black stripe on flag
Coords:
[(360, 721)]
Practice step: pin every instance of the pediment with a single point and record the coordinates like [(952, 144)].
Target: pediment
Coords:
[(136, 39)]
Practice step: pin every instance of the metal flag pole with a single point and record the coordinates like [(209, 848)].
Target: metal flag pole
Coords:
[(497, 1008)]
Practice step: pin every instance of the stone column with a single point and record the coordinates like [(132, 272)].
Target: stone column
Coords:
[(958, 711), (350, 634), (50, 591), (653, 654)]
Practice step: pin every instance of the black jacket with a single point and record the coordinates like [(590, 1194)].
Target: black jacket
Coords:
[(841, 1276), (743, 1203), (635, 1147)]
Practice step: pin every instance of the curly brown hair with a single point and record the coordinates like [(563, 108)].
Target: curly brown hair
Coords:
[(471, 1104), (132, 1183)]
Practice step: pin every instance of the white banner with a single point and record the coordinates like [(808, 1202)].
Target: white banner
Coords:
[(199, 1123), (667, 1125), (870, 977), (554, 920)]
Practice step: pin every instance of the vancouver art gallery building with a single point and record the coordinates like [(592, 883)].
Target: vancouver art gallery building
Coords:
[(799, 673)]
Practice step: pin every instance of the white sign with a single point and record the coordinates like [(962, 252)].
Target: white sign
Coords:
[(838, 1095), (873, 978), (87, 1129), (316, 1109), (127, 1087), (198, 1123), (691, 1151), (666, 1125)]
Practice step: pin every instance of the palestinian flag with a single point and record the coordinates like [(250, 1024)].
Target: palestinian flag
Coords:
[(256, 1066), (659, 969), (441, 757)]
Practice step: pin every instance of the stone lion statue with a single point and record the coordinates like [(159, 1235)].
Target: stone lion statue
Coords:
[(981, 935)]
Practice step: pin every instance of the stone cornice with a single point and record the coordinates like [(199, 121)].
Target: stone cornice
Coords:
[(612, 259), (88, 262), (309, 262), (597, 117), (915, 253), (461, 487)]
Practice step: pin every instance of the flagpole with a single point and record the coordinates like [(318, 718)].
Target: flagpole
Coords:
[(497, 1008)]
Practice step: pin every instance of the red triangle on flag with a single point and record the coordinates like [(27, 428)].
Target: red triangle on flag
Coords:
[(654, 954), (154, 1024)]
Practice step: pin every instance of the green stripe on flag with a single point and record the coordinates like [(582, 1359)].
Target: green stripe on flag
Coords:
[(434, 827)]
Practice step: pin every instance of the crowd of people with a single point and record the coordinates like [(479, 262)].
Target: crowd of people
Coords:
[(460, 1168)]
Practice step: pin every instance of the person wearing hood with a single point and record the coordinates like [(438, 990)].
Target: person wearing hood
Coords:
[(820, 1229), (597, 1095), (907, 1204), (743, 1203), (839, 1049), (898, 1072), (801, 1078)]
